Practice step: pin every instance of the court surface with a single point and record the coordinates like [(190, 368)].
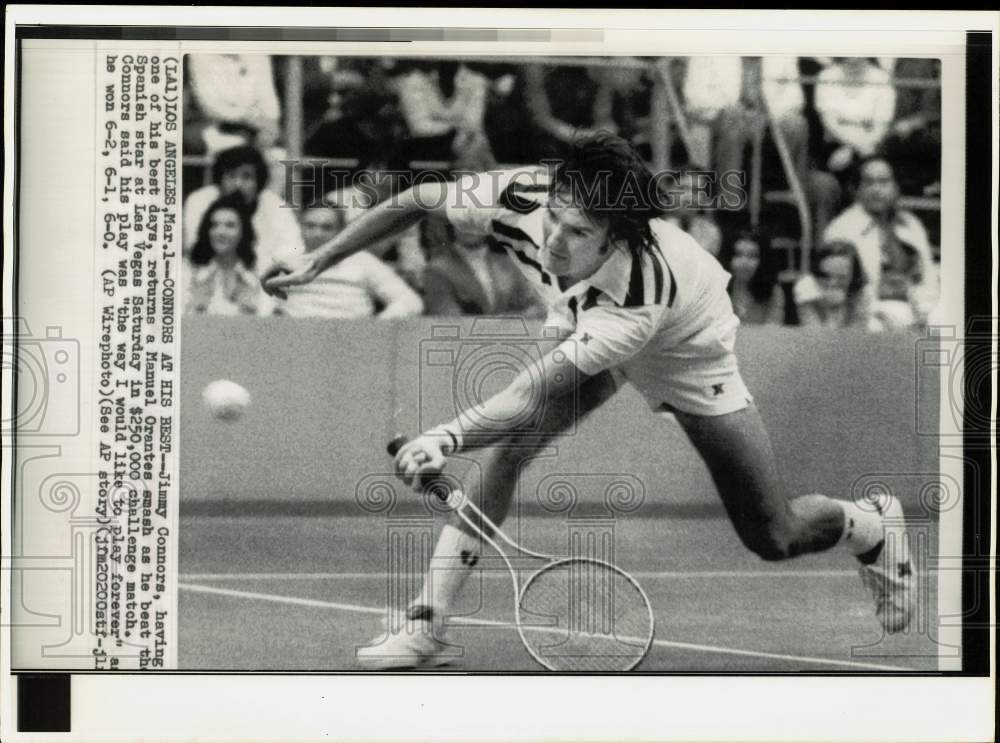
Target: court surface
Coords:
[(301, 592)]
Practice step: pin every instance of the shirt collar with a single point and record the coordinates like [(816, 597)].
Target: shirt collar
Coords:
[(872, 223), (612, 277)]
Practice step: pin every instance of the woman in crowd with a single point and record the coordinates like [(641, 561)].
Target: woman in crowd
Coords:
[(221, 279), (244, 171), (757, 298), (836, 293)]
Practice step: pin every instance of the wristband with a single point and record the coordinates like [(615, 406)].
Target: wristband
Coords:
[(455, 443)]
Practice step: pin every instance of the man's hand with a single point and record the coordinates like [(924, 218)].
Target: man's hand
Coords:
[(424, 455), (285, 272), (840, 158)]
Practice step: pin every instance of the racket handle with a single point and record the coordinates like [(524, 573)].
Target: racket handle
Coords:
[(396, 444)]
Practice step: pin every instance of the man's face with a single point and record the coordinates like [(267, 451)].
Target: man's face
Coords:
[(241, 180), (574, 246), (877, 190), (320, 225)]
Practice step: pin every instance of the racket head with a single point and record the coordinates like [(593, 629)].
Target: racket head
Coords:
[(581, 614)]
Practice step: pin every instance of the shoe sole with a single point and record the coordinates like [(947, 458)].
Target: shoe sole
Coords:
[(394, 666)]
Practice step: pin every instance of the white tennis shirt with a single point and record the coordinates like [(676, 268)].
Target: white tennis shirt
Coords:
[(649, 316)]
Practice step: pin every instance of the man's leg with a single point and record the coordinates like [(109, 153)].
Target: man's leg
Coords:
[(457, 551), (737, 450)]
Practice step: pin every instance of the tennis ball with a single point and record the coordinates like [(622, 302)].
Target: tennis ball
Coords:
[(226, 400)]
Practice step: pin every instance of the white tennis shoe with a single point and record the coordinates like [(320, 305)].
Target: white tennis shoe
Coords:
[(890, 577), (409, 641)]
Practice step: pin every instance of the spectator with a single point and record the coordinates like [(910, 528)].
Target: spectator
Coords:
[(362, 119), (914, 141), (467, 276), (236, 93), (757, 298), (731, 100), (242, 170), (856, 102), (359, 286), (835, 294), (567, 102), (734, 95), (220, 277), (687, 213), (892, 247), (433, 119), (404, 251)]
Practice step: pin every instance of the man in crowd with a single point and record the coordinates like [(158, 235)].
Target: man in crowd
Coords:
[(856, 102), (243, 170), (892, 248), (236, 94), (359, 286)]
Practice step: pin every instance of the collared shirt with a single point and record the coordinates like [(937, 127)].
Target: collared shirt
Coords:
[(635, 311), (883, 257), (212, 289), (351, 289)]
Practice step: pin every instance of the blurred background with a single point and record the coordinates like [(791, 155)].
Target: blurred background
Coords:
[(839, 160), (833, 249)]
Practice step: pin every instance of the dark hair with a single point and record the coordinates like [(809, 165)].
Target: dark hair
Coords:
[(235, 157), (763, 281), (822, 252), (202, 253), (609, 180), (860, 164)]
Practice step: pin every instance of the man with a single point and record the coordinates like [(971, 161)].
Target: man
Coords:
[(636, 300), (892, 248), (243, 170), (236, 94), (730, 101), (856, 102), (359, 286)]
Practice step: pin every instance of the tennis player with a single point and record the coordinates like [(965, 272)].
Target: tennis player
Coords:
[(636, 300)]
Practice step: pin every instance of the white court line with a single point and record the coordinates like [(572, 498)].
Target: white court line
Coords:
[(357, 609), (504, 574)]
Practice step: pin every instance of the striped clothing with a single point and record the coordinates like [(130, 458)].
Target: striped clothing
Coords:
[(663, 321)]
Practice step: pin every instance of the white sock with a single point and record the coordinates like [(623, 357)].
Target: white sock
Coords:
[(455, 556), (863, 528)]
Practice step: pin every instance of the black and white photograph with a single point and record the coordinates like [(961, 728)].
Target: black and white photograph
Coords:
[(380, 367), (644, 325)]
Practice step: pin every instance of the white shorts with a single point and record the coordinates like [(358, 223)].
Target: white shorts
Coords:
[(699, 375)]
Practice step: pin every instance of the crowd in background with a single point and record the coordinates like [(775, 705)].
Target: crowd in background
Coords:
[(853, 134)]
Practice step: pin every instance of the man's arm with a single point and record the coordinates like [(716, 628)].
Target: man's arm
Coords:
[(522, 402), (378, 223), (605, 337)]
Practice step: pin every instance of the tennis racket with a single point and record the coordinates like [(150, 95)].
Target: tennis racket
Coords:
[(572, 613)]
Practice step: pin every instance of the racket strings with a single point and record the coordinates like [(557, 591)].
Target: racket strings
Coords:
[(585, 615)]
